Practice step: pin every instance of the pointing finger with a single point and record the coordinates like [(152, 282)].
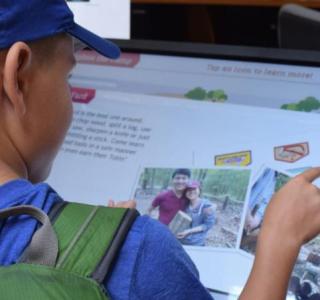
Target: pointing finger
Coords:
[(310, 175)]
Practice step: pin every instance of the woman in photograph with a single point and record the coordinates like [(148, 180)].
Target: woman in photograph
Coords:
[(202, 214)]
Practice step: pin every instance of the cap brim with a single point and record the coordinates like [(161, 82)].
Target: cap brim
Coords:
[(102, 46)]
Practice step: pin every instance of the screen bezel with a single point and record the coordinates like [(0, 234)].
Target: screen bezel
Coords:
[(225, 52)]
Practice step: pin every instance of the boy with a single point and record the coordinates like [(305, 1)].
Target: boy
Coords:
[(35, 112)]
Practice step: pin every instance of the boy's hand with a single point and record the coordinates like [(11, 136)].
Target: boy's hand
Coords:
[(293, 214), (123, 204), (291, 219)]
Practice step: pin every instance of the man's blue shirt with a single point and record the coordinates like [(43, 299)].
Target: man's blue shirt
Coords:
[(151, 263)]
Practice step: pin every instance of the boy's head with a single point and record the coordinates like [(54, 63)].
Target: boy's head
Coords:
[(36, 58)]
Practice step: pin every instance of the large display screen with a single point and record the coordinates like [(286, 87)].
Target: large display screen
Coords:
[(241, 129)]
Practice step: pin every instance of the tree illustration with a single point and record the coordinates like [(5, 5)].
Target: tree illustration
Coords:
[(217, 96), (290, 106), (197, 93), (307, 105)]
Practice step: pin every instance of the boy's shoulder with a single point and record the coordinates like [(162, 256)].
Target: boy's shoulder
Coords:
[(157, 265)]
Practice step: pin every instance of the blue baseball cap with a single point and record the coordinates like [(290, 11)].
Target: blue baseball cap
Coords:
[(30, 20)]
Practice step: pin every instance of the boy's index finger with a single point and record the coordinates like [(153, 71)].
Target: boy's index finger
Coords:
[(310, 175)]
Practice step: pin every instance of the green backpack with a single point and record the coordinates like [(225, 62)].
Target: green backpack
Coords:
[(69, 259)]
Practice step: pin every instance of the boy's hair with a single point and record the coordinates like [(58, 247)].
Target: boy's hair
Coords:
[(185, 172), (43, 49)]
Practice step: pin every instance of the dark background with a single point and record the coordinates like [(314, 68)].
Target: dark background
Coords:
[(230, 25)]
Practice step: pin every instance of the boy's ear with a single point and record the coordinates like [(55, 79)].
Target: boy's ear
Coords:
[(17, 62)]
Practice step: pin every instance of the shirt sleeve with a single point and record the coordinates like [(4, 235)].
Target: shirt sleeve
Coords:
[(156, 201), (163, 269)]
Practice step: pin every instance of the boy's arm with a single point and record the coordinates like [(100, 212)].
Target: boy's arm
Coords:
[(271, 271), (153, 265), (164, 270), (291, 219)]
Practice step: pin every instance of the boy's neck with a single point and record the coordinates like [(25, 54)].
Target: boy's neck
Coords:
[(6, 174), (12, 165)]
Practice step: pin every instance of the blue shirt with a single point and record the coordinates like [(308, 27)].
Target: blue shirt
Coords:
[(151, 264), (201, 215)]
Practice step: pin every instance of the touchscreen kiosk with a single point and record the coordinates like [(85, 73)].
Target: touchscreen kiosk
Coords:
[(239, 121)]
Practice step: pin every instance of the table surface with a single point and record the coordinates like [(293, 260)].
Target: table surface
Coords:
[(309, 3)]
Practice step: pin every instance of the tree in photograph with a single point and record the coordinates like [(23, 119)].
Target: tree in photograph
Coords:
[(217, 96), (197, 93), (144, 179), (232, 183), (163, 178), (155, 179), (200, 175), (282, 179)]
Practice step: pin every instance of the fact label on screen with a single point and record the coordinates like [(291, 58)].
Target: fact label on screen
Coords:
[(291, 153), (82, 95), (242, 159)]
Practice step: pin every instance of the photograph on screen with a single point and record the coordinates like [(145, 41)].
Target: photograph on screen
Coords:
[(268, 182), (202, 207), (305, 278)]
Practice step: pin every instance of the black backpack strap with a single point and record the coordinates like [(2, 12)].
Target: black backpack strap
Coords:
[(56, 210), (107, 261)]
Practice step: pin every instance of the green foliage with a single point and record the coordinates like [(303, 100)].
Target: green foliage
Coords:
[(199, 93), (307, 105), (196, 94), (282, 179), (156, 177), (217, 95), (227, 182)]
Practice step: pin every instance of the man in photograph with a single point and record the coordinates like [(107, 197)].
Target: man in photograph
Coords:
[(171, 201)]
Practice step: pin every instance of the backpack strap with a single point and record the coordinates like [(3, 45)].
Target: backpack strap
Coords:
[(56, 210), (106, 263), (43, 248), (90, 238)]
